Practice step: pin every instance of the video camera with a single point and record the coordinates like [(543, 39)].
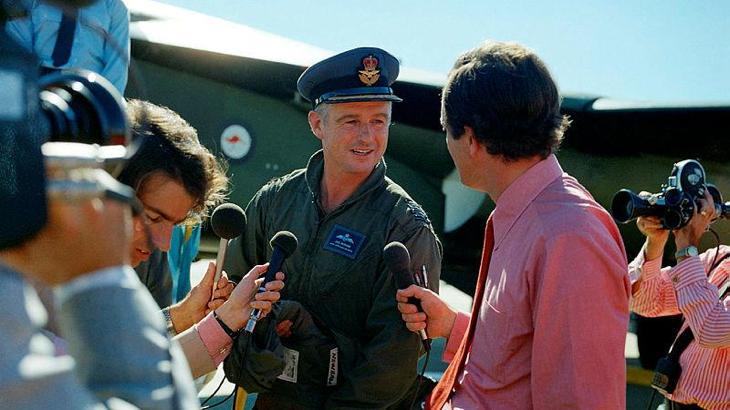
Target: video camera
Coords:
[(675, 205), (73, 122)]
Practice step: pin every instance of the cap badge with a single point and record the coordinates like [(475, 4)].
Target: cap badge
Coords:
[(370, 74)]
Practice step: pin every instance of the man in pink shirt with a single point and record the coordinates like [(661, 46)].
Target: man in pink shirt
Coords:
[(696, 287), (550, 313)]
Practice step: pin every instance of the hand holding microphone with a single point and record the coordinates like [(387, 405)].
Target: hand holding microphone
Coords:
[(434, 315), (234, 313), (398, 261), (228, 221), (284, 243)]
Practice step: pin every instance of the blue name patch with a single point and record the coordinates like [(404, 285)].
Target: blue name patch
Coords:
[(344, 241)]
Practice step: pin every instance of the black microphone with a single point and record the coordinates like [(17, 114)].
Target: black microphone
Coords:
[(284, 243), (398, 261), (228, 222)]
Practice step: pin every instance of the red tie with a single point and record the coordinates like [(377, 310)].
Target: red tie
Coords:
[(445, 387)]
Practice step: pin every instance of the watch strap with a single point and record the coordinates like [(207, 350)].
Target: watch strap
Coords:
[(231, 333), (169, 326), (686, 252)]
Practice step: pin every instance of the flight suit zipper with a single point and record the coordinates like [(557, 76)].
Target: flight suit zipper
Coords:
[(314, 243), (312, 246)]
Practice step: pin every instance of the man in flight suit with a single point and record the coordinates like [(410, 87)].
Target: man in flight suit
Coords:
[(344, 210)]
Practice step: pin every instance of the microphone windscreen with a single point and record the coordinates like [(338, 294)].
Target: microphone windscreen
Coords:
[(398, 260), (285, 240), (397, 257), (228, 221)]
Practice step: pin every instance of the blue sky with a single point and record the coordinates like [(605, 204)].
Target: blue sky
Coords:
[(667, 51)]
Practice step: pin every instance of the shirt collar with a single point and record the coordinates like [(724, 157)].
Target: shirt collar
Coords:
[(521, 193), (315, 170)]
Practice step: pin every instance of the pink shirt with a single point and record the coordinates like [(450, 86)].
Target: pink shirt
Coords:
[(553, 321), (216, 341), (686, 288)]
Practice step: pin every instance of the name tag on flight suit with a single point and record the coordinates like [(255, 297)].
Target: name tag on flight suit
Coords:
[(291, 358), (344, 241)]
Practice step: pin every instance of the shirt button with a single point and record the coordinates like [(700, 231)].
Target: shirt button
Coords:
[(223, 350), (675, 279)]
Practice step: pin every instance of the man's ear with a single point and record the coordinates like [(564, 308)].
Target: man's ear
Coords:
[(475, 146), (315, 123)]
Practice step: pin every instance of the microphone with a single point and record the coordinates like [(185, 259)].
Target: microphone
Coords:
[(398, 261), (284, 243), (228, 222)]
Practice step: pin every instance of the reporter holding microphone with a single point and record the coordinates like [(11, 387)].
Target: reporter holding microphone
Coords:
[(697, 288), (548, 325), (178, 180)]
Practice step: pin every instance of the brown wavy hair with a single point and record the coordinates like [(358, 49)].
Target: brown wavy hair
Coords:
[(171, 146)]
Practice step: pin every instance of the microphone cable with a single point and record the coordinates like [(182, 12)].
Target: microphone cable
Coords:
[(420, 379), (651, 401), (213, 395), (234, 393)]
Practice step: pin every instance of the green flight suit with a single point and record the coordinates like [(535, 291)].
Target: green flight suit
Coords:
[(338, 274)]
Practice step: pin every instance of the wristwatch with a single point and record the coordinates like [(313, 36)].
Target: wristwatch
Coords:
[(169, 326), (686, 252)]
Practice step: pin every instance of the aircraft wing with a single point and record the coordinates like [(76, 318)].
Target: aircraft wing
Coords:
[(610, 127), (269, 64), (248, 58)]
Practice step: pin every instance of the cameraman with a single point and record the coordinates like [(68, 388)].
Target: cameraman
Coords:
[(102, 308), (689, 289)]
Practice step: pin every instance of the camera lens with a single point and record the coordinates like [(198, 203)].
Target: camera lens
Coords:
[(673, 219), (673, 197), (714, 193), (622, 206), (81, 106), (626, 206)]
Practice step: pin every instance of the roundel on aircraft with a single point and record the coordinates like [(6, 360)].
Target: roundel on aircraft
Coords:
[(235, 142)]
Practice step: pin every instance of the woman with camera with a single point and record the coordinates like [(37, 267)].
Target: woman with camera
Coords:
[(696, 373)]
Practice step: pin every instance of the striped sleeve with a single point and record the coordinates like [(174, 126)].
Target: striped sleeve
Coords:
[(655, 295), (698, 300)]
